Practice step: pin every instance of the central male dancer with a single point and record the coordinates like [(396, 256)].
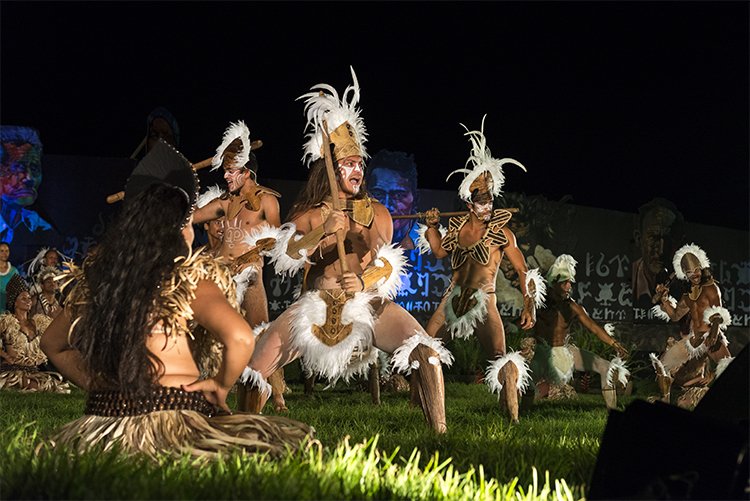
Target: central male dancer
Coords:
[(345, 308), (477, 242)]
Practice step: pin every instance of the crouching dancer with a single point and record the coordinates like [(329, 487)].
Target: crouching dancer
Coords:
[(477, 242), (135, 333), (342, 315), (554, 357), (685, 360)]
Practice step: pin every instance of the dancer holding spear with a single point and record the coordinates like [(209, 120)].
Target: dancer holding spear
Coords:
[(346, 306)]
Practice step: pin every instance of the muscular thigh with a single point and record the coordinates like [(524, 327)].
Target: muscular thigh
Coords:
[(393, 326), (255, 303), (436, 325), (491, 333), (273, 348)]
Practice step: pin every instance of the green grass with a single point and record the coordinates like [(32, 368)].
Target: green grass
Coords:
[(367, 452)]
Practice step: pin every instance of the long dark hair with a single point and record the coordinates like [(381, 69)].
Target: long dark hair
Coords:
[(317, 189), (123, 276)]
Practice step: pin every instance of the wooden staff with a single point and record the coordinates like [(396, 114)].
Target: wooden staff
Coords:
[(139, 148), (116, 197), (334, 195), (420, 215)]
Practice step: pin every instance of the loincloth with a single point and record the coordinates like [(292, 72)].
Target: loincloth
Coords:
[(333, 332), (464, 309), (553, 364)]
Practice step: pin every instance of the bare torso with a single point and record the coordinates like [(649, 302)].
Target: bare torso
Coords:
[(709, 296), (359, 243), (471, 273)]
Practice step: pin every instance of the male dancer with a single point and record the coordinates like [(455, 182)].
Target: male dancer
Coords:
[(554, 359), (477, 242), (346, 305), (246, 206), (708, 321)]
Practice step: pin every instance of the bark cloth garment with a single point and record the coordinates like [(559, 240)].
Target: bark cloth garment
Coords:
[(170, 420), (24, 372)]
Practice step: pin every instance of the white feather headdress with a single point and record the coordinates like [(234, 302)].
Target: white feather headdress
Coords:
[(689, 249), (483, 162), (323, 103), (234, 131), (563, 268)]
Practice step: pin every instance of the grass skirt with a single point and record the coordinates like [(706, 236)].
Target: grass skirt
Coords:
[(176, 432), (31, 379)]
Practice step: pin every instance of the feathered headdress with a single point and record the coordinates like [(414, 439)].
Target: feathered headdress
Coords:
[(486, 175), (693, 249), (345, 125), (234, 148), (564, 268)]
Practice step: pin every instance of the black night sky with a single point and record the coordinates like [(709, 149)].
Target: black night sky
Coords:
[(613, 103)]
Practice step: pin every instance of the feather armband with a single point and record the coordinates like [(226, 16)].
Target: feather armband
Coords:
[(384, 274), (536, 289), (287, 255), (422, 244), (725, 319)]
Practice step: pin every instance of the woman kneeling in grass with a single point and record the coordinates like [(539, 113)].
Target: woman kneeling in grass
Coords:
[(135, 333)]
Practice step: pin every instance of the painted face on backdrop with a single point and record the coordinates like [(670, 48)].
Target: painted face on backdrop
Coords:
[(20, 172), (394, 191), (655, 238), (351, 172)]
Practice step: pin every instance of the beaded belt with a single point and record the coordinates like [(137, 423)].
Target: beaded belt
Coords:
[(162, 398), (16, 367)]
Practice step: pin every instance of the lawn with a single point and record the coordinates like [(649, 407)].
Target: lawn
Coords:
[(365, 452)]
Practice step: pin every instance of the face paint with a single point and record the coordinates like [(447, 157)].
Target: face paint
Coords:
[(350, 171), (691, 267), (482, 211)]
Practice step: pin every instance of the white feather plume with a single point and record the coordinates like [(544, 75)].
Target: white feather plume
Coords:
[(284, 264), (689, 249), (243, 280), (616, 365), (493, 370), (400, 359), (235, 130), (609, 329), (259, 233), (327, 106), (255, 379), (660, 314), (389, 286), (726, 318), (422, 245), (693, 351), (211, 193), (540, 288), (658, 365), (564, 266), (482, 161)]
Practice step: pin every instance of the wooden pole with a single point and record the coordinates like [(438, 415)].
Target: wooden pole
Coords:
[(420, 215), (334, 186), (116, 197)]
